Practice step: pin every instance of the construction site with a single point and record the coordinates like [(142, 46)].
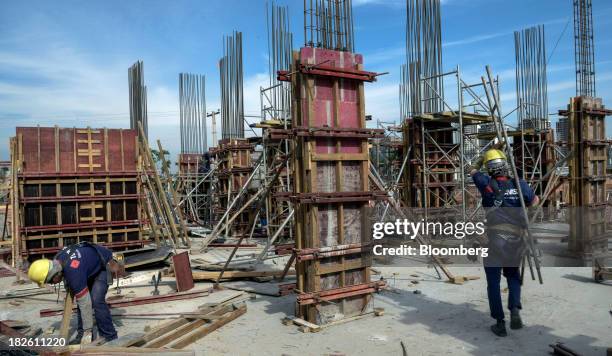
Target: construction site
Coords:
[(260, 235)]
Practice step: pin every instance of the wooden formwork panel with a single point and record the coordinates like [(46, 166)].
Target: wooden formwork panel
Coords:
[(331, 225), (588, 172), (76, 185), (189, 163), (69, 151), (234, 166)]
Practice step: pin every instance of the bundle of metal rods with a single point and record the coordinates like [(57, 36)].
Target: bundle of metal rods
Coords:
[(329, 24), (280, 47), (424, 56), (404, 93), (138, 97), (231, 74), (531, 82), (584, 48), (192, 99)]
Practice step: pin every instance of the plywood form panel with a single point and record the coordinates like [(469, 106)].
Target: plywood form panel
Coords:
[(588, 171), (77, 185), (64, 151), (330, 165)]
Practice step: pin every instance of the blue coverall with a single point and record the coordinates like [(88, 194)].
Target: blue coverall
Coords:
[(505, 252), (85, 273)]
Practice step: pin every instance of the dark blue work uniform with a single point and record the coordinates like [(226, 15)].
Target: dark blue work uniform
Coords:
[(501, 200), (84, 269)]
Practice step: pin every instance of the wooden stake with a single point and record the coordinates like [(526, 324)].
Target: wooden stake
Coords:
[(148, 159), (65, 328), (174, 196)]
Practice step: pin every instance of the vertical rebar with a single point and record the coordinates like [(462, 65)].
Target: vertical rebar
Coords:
[(231, 80), (138, 97), (584, 48), (424, 56), (329, 24), (192, 104), (531, 78)]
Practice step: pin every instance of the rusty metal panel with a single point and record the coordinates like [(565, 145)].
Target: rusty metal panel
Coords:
[(182, 271)]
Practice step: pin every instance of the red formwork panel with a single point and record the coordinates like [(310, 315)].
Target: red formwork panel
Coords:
[(76, 184), (68, 151), (331, 190)]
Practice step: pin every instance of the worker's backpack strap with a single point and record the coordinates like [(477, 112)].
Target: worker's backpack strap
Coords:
[(498, 191), (69, 251)]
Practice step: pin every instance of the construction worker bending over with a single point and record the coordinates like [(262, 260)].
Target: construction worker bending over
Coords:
[(505, 225), (86, 270)]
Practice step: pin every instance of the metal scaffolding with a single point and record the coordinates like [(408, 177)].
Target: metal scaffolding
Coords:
[(194, 179), (276, 114), (435, 179)]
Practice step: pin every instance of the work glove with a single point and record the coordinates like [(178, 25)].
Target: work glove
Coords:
[(87, 337), (477, 164), (500, 145)]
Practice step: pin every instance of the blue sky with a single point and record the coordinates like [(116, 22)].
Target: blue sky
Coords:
[(65, 62)]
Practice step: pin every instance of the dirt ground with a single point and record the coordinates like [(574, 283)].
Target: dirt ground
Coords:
[(441, 318)]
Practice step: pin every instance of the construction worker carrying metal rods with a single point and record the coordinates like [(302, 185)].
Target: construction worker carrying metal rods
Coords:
[(87, 270), (505, 224)]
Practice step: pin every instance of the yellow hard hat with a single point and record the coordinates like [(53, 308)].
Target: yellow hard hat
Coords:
[(494, 154), (39, 270)]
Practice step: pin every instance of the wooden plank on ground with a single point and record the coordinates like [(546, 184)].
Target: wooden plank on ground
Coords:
[(206, 329), (112, 350), (187, 328)]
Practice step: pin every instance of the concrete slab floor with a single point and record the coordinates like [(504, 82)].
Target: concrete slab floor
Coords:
[(442, 319)]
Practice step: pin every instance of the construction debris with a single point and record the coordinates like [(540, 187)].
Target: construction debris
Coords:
[(289, 211)]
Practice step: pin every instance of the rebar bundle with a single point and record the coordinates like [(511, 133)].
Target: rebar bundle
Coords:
[(531, 80), (404, 92), (584, 49), (192, 99), (280, 48), (424, 56), (138, 97), (329, 24), (231, 74)]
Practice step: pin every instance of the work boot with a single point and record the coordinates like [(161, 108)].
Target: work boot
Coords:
[(77, 339), (499, 329), (515, 319)]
